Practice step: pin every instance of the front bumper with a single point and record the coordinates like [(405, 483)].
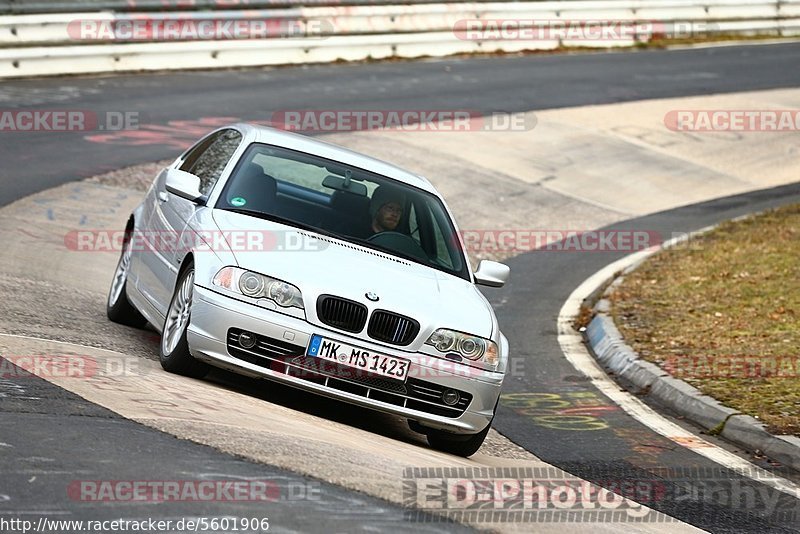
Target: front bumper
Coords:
[(215, 315)]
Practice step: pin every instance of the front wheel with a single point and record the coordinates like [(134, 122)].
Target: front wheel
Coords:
[(459, 445), (175, 356), (118, 307)]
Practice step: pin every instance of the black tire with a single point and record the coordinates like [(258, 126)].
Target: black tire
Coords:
[(459, 445), (178, 359), (118, 307)]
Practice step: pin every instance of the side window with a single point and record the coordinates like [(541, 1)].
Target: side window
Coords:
[(209, 158)]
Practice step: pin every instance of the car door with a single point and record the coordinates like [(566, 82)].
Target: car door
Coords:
[(171, 213)]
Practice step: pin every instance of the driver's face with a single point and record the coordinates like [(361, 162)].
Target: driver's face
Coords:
[(388, 217)]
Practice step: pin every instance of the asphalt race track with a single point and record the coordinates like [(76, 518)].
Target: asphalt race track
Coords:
[(176, 104)]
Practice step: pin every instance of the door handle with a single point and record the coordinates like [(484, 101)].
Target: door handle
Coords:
[(163, 196)]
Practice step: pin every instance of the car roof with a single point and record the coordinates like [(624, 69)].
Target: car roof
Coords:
[(264, 134)]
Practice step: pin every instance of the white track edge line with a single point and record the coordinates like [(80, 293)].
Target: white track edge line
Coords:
[(574, 349)]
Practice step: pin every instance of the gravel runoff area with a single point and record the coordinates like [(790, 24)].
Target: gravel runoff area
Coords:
[(723, 314)]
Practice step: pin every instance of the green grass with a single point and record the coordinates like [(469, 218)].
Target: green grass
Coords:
[(732, 295)]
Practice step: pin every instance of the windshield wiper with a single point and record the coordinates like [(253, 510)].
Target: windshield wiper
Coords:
[(282, 220), (416, 259), (393, 252)]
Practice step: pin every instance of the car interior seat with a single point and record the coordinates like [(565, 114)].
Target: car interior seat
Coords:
[(257, 188), (351, 213)]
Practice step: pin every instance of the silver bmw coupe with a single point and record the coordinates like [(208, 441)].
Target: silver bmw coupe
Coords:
[(275, 255)]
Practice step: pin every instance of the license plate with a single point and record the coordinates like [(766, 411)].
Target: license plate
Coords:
[(357, 358)]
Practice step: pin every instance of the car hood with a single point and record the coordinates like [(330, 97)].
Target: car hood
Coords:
[(321, 265)]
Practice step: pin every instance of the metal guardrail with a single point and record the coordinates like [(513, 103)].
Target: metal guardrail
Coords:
[(44, 44), (22, 7)]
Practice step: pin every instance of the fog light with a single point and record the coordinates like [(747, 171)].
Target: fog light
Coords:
[(450, 397), (247, 340)]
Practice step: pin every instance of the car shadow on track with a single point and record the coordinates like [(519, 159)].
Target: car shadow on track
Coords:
[(391, 426), (317, 405)]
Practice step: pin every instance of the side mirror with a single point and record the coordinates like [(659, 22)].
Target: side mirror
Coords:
[(492, 273), (184, 184)]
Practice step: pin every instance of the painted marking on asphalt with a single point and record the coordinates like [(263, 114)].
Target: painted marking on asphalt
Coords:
[(573, 411), (690, 442), (10, 388), (577, 354)]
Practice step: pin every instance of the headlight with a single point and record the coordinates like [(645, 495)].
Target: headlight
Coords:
[(470, 347), (257, 286), (252, 284)]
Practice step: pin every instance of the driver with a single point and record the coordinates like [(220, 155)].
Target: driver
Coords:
[(386, 209)]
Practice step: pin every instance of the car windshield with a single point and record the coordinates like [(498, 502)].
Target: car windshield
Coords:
[(347, 202)]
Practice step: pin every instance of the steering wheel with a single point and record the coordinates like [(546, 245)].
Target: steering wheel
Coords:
[(399, 242)]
